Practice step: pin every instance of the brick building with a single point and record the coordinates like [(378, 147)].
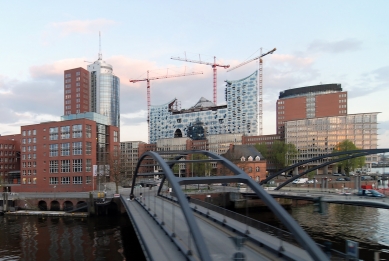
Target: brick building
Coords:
[(59, 156), (247, 158), (310, 102), (76, 91), (9, 158)]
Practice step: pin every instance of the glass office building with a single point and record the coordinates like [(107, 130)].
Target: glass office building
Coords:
[(238, 116), (104, 91), (319, 136)]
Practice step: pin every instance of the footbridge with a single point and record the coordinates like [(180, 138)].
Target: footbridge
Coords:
[(333, 158), (172, 226)]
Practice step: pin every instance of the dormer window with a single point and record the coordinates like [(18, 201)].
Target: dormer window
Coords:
[(242, 158), (250, 158), (257, 158)]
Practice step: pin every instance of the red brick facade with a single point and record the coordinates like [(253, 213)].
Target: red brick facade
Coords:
[(9, 157), (59, 156), (76, 91)]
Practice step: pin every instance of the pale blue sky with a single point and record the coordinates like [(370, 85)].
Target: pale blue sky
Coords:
[(317, 42)]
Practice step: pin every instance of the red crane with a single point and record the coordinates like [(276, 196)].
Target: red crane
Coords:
[(148, 79), (214, 65)]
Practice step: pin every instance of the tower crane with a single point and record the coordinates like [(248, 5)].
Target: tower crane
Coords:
[(260, 87), (148, 79), (214, 65)]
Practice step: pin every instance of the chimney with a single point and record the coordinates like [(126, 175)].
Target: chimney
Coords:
[(231, 147)]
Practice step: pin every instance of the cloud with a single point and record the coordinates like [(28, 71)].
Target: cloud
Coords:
[(81, 26), (341, 46), (55, 70)]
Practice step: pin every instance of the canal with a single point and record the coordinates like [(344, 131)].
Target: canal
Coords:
[(59, 238), (367, 226)]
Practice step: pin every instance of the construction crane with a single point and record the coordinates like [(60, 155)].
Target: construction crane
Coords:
[(260, 87), (148, 79), (214, 65)]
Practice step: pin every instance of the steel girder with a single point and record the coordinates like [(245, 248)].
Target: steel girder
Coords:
[(239, 176), (369, 151)]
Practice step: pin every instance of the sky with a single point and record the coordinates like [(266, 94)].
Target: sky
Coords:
[(345, 42)]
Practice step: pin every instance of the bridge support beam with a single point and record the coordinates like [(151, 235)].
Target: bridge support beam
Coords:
[(325, 170), (295, 171)]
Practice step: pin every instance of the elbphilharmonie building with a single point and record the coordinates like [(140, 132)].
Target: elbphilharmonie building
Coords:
[(238, 115)]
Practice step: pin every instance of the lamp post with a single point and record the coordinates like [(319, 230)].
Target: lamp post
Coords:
[(54, 191)]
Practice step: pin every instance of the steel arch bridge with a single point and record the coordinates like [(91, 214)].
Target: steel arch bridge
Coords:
[(349, 155), (238, 176)]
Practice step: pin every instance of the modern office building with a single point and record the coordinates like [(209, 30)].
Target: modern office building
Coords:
[(129, 156), (318, 136), (59, 156), (76, 91), (9, 159), (310, 102), (238, 116), (104, 91)]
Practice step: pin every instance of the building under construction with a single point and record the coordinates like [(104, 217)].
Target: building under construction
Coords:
[(239, 115)]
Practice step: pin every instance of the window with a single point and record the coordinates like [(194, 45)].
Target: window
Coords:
[(77, 131), (53, 166), (23, 141), (88, 149), (53, 180), (65, 149), (65, 132), (257, 158), (77, 180), (88, 166), (34, 181), (250, 169), (65, 166), (115, 136), (88, 131), (250, 158), (242, 159), (88, 180), (257, 169), (24, 133), (53, 150), (53, 133), (65, 180), (77, 165), (77, 148)]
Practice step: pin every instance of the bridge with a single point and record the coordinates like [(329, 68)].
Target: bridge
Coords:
[(172, 226)]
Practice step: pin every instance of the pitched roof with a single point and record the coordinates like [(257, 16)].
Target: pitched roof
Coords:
[(235, 152), (204, 103)]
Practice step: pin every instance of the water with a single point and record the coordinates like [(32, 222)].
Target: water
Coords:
[(58, 238), (367, 226)]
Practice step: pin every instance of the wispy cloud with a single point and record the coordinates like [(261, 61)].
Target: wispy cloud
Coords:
[(81, 26), (341, 46)]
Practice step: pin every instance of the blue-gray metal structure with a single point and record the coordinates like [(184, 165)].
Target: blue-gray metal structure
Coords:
[(239, 177), (298, 164), (238, 116)]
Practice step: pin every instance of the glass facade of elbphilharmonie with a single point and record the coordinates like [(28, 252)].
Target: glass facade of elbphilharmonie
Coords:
[(239, 115)]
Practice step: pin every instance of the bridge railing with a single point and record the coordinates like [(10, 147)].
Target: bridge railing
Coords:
[(268, 229)]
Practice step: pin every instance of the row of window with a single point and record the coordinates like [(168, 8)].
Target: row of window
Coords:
[(65, 149), (7, 153), (250, 169), (65, 167), (7, 166), (66, 180), (29, 140), (10, 160), (28, 132), (7, 146)]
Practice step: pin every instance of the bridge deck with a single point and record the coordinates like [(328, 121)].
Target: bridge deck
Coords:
[(216, 235)]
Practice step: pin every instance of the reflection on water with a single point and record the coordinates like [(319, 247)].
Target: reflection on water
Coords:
[(57, 238), (367, 226)]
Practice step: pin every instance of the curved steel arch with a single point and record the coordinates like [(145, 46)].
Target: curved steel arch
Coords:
[(372, 151), (318, 167), (239, 176)]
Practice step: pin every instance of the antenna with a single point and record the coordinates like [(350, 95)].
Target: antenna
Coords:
[(100, 55)]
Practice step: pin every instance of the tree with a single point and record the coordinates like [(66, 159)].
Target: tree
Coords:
[(281, 154), (262, 148), (201, 169), (117, 170), (349, 164)]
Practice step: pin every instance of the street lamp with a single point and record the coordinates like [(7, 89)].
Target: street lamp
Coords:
[(54, 190)]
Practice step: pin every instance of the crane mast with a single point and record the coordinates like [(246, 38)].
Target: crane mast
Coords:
[(214, 69), (260, 85), (148, 79)]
